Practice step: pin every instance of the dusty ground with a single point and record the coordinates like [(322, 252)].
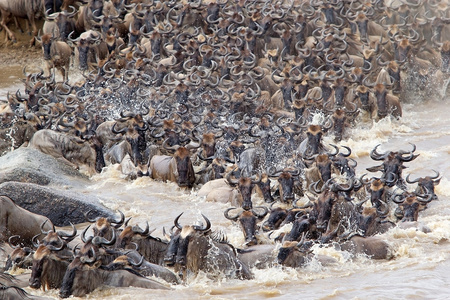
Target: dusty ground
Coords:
[(19, 53)]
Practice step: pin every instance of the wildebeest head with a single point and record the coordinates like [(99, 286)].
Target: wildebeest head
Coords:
[(300, 226), (367, 220), (48, 267), (314, 136), (323, 206), (186, 175), (344, 164), (264, 186), (402, 50), (134, 135), (105, 226), (46, 41), (409, 205), (322, 209), (248, 220), (245, 186), (382, 103), (218, 168), (425, 185), (84, 44), (394, 73), (56, 238), (79, 278), (324, 164), (377, 192), (188, 233), (20, 257), (128, 233), (172, 249), (363, 94), (208, 144), (293, 254), (65, 23), (286, 180), (276, 217), (339, 123), (392, 165)]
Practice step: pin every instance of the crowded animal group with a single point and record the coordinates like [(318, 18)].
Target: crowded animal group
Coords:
[(233, 98)]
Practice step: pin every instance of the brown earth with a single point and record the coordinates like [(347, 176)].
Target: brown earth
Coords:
[(19, 53)]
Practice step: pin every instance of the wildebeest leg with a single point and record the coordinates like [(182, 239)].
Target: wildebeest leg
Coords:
[(5, 18), (35, 31), (18, 24)]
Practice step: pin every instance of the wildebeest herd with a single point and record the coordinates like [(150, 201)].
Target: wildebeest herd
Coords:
[(234, 97)]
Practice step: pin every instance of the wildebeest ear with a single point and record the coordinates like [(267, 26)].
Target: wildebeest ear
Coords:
[(375, 169)]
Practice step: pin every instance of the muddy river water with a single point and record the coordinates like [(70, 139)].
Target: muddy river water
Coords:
[(420, 268)]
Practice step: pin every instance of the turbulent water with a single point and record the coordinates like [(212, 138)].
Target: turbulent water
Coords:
[(420, 264)]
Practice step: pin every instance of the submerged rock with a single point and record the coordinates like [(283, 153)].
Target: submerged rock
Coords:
[(33, 166), (57, 205)]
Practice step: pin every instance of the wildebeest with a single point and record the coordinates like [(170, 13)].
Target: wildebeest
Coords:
[(409, 205), (70, 149), (392, 165), (28, 9), (197, 251), (248, 220), (373, 246), (56, 54), (83, 276), (143, 267), (20, 257), (15, 220), (177, 168), (426, 185), (49, 267), (89, 48), (151, 248), (245, 186), (387, 104), (104, 227)]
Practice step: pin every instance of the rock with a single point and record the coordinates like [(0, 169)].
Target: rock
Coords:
[(32, 166), (59, 206)]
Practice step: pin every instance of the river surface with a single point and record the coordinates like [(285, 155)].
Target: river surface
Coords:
[(421, 261)]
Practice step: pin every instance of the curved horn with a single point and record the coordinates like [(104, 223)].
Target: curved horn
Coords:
[(232, 218), (68, 237), (83, 234), (260, 216), (204, 228), (11, 243), (138, 230), (175, 222), (99, 241), (411, 181), (47, 232), (119, 222)]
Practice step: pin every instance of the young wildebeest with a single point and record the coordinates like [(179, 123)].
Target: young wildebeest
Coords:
[(56, 54)]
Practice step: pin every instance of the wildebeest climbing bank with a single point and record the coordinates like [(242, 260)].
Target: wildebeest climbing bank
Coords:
[(225, 149)]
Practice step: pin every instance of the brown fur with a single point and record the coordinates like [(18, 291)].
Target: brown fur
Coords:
[(245, 181), (182, 153), (169, 124), (314, 129), (208, 138), (379, 88), (41, 252), (376, 185)]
